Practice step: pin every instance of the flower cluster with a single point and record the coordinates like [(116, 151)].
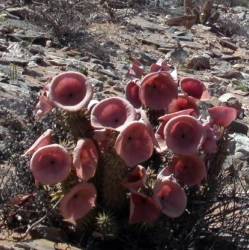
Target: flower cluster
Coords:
[(123, 138)]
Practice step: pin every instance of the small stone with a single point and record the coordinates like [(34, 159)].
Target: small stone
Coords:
[(57, 61), (241, 146), (42, 244), (238, 127), (146, 59), (109, 73), (226, 97), (232, 74), (199, 62), (48, 43), (49, 233), (39, 60), (37, 49), (178, 55), (228, 44), (13, 60), (31, 72), (98, 85), (231, 101)]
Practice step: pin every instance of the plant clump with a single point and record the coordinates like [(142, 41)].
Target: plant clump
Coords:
[(136, 156)]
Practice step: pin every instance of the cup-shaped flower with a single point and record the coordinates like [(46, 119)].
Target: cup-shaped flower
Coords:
[(85, 159), (44, 105), (143, 209), (183, 134), (164, 120), (70, 91), (163, 65), (183, 102), (132, 93), (112, 113), (157, 90), (44, 140), (170, 197), (222, 115), (134, 144), (195, 88), (188, 170), (78, 202), (136, 69), (50, 164), (160, 65), (136, 178)]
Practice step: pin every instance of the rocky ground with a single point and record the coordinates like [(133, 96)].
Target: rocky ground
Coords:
[(29, 57)]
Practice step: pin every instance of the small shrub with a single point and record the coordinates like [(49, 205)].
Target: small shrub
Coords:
[(66, 19)]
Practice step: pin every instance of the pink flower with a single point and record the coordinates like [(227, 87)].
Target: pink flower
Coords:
[(188, 170), (132, 93), (209, 144), (136, 69), (44, 140), (160, 65), (183, 102), (50, 164), (112, 113), (134, 144), (143, 209), (136, 178), (157, 90), (44, 105), (70, 91), (222, 116), (194, 88), (170, 197), (164, 120), (85, 159), (78, 202), (183, 134)]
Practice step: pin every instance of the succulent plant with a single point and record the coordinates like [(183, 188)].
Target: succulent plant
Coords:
[(107, 165)]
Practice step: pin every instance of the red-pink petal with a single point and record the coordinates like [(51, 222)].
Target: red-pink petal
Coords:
[(112, 113), (78, 202), (222, 115), (157, 90), (143, 209), (170, 197), (70, 91), (136, 69), (44, 140), (209, 144), (136, 178), (188, 170), (134, 144), (194, 88), (183, 102), (143, 118), (160, 65), (164, 119), (183, 134), (132, 93), (50, 164), (43, 107), (85, 159)]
